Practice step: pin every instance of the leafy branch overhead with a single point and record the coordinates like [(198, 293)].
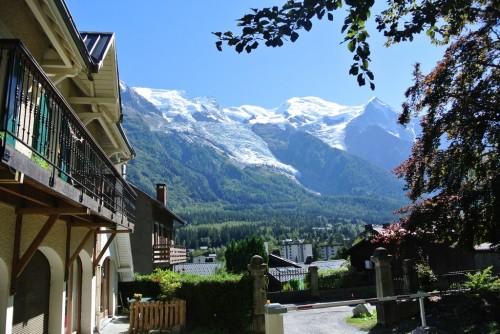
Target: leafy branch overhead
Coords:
[(400, 21)]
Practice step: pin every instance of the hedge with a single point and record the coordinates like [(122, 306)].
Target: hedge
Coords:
[(342, 278), (222, 301)]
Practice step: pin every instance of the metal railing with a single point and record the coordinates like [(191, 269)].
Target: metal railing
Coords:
[(169, 254), (37, 121), (286, 274)]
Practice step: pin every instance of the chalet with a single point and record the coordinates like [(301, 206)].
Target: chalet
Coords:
[(66, 209), (153, 240)]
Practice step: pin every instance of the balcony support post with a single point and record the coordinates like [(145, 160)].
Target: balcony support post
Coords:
[(104, 249), (78, 249)]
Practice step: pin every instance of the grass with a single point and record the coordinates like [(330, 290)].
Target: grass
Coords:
[(364, 323)]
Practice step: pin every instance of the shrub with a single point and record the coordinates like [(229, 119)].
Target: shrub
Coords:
[(344, 277), (483, 281), (294, 285), (222, 301), (426, 277)]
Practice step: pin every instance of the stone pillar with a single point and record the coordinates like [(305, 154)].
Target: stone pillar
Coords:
[(313, 281), (386, 311), (258, 271), (409, 276), (274, 318)]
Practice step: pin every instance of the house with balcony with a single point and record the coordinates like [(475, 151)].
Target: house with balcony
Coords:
[(153, 240), (66, 210)]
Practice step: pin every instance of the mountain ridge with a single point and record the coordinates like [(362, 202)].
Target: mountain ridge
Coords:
[(250, 160)]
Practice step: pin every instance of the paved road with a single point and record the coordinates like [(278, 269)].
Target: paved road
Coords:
[(118, 325), (320, 321)]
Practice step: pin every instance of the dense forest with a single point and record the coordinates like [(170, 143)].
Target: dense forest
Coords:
[(319, 230)]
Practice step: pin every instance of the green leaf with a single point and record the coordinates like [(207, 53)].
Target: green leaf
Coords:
[(218, 45), (351, 45), (330, 16), (294, 36)]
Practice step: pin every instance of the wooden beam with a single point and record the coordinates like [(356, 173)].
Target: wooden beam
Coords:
[(103, 250), (63, 211), (19, 191), (7, 177), (15, 253), (112, 231), (80, 247), (68, 245), (94, 252), (93, 100), (28, 254), (55, 39)]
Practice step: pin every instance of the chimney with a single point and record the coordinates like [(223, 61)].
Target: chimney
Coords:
[(162, 193), (124, 171)]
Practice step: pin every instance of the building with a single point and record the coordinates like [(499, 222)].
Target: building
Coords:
[(66, 209), (328, 251), (207, 258), (297, 251), (153, 240)]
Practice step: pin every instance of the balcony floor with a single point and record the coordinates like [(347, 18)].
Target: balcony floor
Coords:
[(23, 183)]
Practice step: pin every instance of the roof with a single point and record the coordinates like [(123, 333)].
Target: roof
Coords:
[(276, 261), (159, 205), (204, 269), (97, 45), (70, 24), (487, 247), (327, 265)]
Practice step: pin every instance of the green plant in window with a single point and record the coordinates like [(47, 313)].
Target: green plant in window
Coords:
[(40, 161)]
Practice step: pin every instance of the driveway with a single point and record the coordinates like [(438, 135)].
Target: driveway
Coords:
[(320, 321)]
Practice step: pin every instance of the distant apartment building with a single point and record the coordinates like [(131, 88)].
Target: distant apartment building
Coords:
[(328, 251), (296, 250)]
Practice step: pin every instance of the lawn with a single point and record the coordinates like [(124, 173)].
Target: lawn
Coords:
[(364, 323)]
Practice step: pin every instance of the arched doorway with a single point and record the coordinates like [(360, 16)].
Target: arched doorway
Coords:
[(32, 297)]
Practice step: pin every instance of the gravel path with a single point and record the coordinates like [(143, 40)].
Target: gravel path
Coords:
[(320, 321)]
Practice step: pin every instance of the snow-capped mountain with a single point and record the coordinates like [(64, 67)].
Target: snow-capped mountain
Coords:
[(369, 131), (253, 162)]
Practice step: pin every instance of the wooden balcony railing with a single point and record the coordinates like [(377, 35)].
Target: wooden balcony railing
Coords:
[(168, 254), (36, 121)]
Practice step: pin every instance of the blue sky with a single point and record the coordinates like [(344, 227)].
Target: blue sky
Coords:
[(168, 44)]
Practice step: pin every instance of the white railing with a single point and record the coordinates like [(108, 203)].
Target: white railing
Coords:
[(274, 312)]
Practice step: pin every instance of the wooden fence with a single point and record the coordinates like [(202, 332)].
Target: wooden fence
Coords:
[(146, 316)]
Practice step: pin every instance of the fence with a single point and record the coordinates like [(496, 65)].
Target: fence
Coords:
[(157, 315), (453, 280), (286, 274)]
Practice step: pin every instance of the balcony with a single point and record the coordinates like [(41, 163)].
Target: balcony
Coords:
[(42, 139), (168, 254)]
